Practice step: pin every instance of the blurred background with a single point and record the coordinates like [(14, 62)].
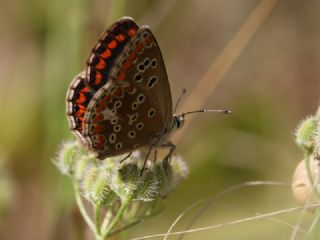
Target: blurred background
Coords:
[(270, 85)]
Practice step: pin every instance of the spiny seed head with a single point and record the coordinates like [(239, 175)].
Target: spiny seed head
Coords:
[(169, 177), (84, 162), (101, 181), (306, 132), (147, 188), (95, 185), (67, 156), (124, 182)]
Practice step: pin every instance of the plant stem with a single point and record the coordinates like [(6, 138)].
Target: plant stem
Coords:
[(97, 218), (82, 209), (124, 205), (312, 233)]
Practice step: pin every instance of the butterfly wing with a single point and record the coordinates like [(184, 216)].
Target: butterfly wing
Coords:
[(106, 50), (134, 108), (99, 63), (78, 98)]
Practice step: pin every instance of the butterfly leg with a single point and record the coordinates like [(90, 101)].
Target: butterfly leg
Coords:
[(155, 156), (122, 160), (167, 158), (146, 159)]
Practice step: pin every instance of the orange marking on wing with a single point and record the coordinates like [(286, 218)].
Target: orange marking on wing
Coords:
[(81, 99), (85, 90), (121, 76), (101, 106), (129, 89), (126, 65), (106, 98), (80, 112), (131, 31), (82, 107), (112, 44), (98, 78), (120, 37), (117, 92), (106, 53), (98, 128), (139, 47), (101, 141), (132, 56), (148, 40), (101, 64), (98, 118)]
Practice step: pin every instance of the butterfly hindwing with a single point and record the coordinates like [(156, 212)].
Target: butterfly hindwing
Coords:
[(78, 98)]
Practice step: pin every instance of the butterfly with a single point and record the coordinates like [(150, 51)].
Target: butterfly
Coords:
[(122, 101)]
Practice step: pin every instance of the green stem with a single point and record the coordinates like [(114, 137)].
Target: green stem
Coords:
[(313, 184), (97, 218), (135, 222), (312, 233), (117, 218), (82, 209), (106, 219)]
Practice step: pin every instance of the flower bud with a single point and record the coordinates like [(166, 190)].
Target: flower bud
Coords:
[(67, 156), (302, 188), (306, 133), (95, 184)]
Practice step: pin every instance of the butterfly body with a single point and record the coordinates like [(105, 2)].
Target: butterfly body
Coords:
[(122, 101)]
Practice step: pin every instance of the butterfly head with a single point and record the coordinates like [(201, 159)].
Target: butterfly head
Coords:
[(178, 121)]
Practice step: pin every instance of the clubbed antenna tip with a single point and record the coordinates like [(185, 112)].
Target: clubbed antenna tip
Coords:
[(217, 110)]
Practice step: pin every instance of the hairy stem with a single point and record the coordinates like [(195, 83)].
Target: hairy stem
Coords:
[(82, 209), (115, 221)]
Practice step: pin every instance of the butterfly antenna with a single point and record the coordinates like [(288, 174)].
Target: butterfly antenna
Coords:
[(208, 111), (179, 99)]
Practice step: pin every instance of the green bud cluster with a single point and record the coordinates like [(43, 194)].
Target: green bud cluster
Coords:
[(307, 134), (103, 181)]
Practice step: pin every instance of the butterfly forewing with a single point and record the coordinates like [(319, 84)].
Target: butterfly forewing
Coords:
[(99, 63), (106, 50), (134, 108)]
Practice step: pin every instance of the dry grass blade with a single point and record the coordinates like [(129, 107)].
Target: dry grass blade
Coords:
[(224, 61), (254, 218)]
